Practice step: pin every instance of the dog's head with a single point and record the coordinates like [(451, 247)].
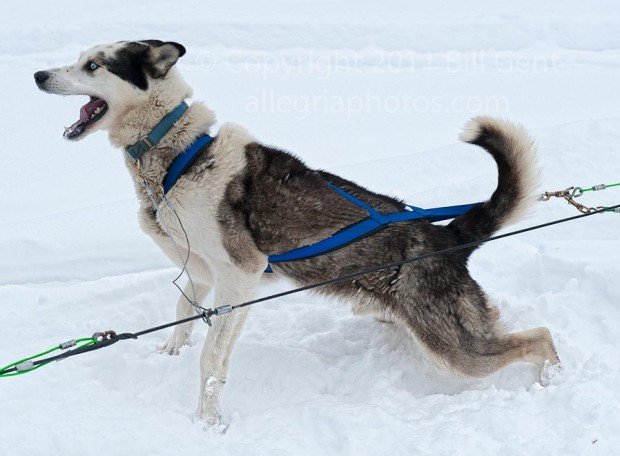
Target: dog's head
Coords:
[(114, 76)]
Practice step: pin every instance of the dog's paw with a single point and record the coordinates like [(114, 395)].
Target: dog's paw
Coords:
[(208, 420), (212, 423), (549, 370), (174, 344), (208, 412)]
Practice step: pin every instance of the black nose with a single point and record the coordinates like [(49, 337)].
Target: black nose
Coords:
[(41, 76)]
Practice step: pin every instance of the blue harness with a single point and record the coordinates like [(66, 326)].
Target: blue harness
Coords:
[(369, 225), (184, 160)]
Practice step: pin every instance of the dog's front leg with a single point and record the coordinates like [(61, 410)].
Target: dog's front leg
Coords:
[(180, 333), (233, 286), (198, 289)]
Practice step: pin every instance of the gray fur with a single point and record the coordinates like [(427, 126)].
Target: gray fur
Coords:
[(285, 205), (242, 201)]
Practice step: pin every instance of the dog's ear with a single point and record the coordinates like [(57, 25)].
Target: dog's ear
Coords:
[(162, 56)]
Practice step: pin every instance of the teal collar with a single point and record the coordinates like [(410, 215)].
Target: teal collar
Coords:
[(137, 150)]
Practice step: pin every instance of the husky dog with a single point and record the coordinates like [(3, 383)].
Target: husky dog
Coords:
[(242, 200)]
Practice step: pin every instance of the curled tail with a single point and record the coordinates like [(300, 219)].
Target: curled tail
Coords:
[(513, 151)]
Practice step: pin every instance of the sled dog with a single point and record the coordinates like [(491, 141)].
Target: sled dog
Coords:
[(242, 200)]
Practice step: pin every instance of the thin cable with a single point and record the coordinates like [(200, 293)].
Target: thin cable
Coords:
[(189, 252), (423, 257), (207, 313), (599, 187), (183, 260), (19, 367)]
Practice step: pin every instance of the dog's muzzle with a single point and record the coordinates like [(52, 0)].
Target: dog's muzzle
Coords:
[(40, 77)]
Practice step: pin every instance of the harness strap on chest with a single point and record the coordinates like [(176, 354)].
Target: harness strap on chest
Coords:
[(184, 160), (374, 222), (365, 227)]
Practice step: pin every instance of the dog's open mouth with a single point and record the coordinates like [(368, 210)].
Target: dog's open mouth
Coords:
[(90, 113)]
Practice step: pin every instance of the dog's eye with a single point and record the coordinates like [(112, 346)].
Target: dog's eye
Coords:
[(92, 66)]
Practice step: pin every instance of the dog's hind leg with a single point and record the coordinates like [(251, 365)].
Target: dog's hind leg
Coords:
[(233, 286), (459, 326), (475, 354), (368, 306)]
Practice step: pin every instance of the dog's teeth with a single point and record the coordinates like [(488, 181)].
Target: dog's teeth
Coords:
[(96, 112)]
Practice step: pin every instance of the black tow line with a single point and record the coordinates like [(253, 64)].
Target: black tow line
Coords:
[(107, 338)]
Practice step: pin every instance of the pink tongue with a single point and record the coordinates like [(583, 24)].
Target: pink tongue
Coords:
[(86, 111), (90, 107)]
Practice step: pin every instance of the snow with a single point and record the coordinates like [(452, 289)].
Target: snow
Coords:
[(374, 91)]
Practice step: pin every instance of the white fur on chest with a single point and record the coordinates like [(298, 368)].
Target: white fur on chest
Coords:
[(199, 220), (197, 197)]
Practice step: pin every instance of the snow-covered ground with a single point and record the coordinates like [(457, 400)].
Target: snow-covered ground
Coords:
[(377, 92)]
